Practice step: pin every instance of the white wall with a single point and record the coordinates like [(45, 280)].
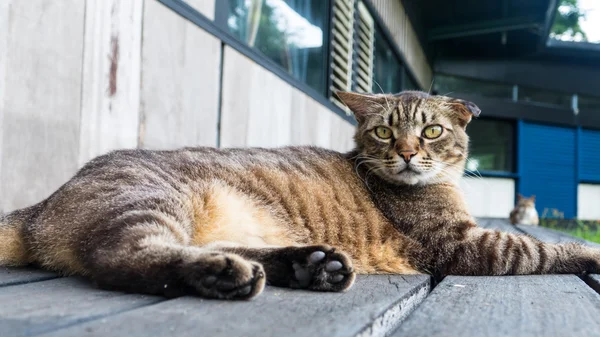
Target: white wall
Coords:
[(81, 78), (588, 202), (489, 197)]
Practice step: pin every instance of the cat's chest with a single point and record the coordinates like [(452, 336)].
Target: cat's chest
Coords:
[(408, 207)]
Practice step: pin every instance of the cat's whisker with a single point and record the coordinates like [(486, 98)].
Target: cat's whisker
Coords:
[(385, 97), (430, 87), (459, 168)]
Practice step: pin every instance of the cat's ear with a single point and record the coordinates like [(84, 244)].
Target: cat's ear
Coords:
[(464, 111), (362, 105), (532, 198), (519, 196)]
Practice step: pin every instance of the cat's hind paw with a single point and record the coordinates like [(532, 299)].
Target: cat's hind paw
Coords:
[(225, 276)]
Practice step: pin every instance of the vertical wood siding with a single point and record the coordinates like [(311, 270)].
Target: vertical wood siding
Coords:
[(180, 81), (81, 78), (111, 77), (260, 109), (41, 97)]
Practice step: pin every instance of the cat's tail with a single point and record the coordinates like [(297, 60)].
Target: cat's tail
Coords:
[(13, 251)]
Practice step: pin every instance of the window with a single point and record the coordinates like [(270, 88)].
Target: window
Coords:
[(589, 103), (386, 69), (290, 32), (408, 83), (331, 45), (446, 85), (491, 147), (546, 97)]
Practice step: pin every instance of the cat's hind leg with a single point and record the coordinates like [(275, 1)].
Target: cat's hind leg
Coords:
[(318, 267), (143, 251)]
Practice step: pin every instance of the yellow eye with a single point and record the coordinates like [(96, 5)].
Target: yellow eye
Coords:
[(433, 131), (383, 132)]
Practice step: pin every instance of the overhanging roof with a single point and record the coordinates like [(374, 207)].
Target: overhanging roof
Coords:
[(494, 29)]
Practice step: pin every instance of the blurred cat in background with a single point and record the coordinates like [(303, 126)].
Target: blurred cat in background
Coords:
[(524, 212)]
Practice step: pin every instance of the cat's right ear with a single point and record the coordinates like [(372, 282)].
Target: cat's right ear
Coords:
[(519, 196), (362, 105)]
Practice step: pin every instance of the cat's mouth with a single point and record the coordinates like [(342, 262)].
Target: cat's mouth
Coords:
[(408, 170)]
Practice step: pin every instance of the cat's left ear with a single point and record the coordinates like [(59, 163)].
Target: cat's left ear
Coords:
[(464, 110), (362, 105), (532, 198)]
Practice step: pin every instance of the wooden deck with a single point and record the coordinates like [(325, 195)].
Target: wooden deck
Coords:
[(38, 303)]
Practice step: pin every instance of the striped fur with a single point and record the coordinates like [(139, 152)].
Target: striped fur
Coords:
[(219, 223)]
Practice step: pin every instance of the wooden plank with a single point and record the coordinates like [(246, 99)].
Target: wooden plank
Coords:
[(49, 305), (111, 77), (593, 281), (12, 276), (180, 76), (250, 114), (498, 224), (235, 109), (4, 14), (205, 7), (342, 134), (549, 235), (41, 99), (373, 307), (310, 121), (269, 119), (550, 305)]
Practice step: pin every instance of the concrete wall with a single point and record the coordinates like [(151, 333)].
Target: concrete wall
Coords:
[(588, 202), (489, 197)]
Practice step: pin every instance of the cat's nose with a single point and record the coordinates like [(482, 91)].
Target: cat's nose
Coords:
[(407, 155)]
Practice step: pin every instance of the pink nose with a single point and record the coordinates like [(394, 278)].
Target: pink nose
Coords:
[(407, 155)]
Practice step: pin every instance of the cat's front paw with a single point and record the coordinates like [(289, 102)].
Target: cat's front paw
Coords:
[(224, 276), (322, 268)]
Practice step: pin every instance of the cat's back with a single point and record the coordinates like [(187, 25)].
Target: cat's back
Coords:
[(198, 162)]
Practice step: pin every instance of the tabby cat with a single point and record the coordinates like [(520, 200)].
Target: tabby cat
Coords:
[(220, 223), (524, 212)]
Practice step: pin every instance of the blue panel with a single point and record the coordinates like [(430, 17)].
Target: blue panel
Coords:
[(548, 167), (589, 160)]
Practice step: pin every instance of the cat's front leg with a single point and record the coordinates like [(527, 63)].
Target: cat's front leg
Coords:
[(479, 251), (318, 267)]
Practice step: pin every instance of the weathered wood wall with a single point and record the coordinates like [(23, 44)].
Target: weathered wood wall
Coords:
[(81, 78)]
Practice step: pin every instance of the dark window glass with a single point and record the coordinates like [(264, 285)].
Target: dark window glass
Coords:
[(408, 83), (491, 147), (589, 103), (386, 67), (290, 32), (546, 97), (447, 85)]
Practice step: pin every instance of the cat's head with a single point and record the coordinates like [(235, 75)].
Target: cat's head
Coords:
[(525, 202), (412, 137)]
